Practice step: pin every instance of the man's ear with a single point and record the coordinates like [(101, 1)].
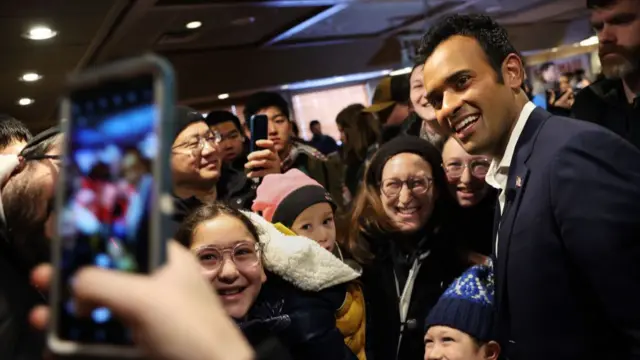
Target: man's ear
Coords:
[(491, 350), (513, 71)]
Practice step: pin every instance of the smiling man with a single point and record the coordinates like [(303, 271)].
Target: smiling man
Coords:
[(615, 102), (568, 280)]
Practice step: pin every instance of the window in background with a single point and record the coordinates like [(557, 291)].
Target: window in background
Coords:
[(324, 106)]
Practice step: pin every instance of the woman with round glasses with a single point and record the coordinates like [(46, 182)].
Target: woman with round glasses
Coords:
[(265, 306), (476, 199), (395, 232)]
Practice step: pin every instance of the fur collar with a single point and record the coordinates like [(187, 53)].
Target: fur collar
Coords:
[(299, 260)]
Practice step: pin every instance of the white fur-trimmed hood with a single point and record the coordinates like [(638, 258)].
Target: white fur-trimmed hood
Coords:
[(300, 260)]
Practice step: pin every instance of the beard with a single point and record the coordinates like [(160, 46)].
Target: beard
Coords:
[(25, 224), (627, 61)]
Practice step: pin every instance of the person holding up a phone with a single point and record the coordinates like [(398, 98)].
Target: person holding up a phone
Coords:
[(173, 313)]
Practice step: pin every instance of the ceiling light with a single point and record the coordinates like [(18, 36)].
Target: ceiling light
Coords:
[(25, 101), (223, 96), (193, 25), (40, 33), (30, 77), (589, 41), (284, 87)]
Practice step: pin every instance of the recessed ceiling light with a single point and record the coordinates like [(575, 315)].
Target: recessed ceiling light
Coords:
[(193, 25), (30, 77), (40, 33), (223, 96), (25, 101)]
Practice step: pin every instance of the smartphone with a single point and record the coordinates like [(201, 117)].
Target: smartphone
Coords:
[(111, 190), (259, 127)]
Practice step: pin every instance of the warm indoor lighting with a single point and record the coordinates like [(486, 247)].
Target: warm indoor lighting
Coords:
[(30, 77), (25, 101), (40, 33), (194, 25), (589, 41), (223, 96)]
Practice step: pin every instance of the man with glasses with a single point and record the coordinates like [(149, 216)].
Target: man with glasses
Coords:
[(27, 198), (199, 174)]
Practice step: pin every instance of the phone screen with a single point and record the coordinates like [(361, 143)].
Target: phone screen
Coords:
[(108, 196), (259, 127)]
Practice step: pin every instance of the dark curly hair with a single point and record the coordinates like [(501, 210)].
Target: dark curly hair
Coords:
[(492, 37)]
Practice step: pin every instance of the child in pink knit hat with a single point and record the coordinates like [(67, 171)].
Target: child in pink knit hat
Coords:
[(301, 204)]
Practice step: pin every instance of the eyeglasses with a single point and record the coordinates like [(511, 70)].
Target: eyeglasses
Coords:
[(478, 167), (418, 186), (244, 255), (42, 157), (196, 144)]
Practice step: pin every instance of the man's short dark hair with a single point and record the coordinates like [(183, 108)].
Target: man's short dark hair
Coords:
[(262, 100), (592, 4), (12, 130), (220, 116), (313, 123), (492, 37), (544, 67)]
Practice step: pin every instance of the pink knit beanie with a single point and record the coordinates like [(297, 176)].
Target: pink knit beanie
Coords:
[(282, 197)]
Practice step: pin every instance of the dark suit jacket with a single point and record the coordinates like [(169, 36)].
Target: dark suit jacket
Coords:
[(568, 259)]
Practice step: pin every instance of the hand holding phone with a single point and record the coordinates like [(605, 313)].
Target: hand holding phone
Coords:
[(263, 162), (118, 123), (149, 304), (263, 159)]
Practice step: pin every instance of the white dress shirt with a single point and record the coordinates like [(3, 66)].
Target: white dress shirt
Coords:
[(498, 173)]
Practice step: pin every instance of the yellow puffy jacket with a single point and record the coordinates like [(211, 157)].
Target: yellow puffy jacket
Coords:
[(350, 320), (350, 317)]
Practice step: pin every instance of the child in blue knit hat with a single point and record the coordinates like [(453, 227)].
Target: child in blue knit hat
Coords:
[(460, 325)]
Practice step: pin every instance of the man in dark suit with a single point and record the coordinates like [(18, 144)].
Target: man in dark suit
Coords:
[(568, 246)]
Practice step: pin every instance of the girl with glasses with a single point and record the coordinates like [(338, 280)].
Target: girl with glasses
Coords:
[(227, 245)]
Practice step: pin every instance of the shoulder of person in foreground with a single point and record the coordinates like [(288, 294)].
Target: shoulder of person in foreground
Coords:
[(595, 193)]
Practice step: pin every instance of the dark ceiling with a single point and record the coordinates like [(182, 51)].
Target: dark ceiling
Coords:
[(242, 45)]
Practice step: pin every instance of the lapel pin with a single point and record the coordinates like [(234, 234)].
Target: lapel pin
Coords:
[(518, 182)]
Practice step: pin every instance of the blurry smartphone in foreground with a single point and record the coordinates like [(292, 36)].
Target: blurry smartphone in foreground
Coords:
[(115, 178), (259, 128)]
